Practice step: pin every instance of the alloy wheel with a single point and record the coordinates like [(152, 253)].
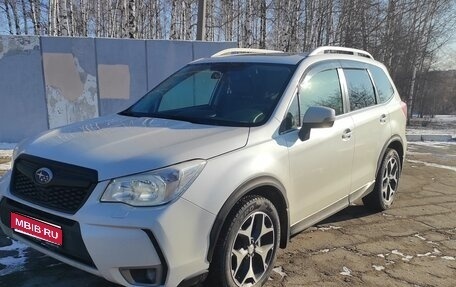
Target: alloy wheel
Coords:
[(253, 249), (390, 180)]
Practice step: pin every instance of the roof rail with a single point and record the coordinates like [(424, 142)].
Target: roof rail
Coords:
[(340, 50), (235, 51)]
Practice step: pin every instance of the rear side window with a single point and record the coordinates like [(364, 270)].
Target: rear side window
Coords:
[(322, 89), (360, 89), (384, 88)]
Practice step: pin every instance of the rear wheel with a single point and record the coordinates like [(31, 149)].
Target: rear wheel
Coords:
[(386, 183), (246, 250)]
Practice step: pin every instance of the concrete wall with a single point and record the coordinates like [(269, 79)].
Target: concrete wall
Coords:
[(22, 96), (122, 73), (46, 82)]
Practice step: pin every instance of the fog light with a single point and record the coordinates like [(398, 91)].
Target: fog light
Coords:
[(143, 276)]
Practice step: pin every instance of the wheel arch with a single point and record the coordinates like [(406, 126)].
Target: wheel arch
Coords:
[(396, 143), (265, 186)]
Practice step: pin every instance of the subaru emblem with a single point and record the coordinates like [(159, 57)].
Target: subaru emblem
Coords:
[(43, 175)]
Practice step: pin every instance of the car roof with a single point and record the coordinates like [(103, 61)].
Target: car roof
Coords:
[(271, 58), (253, 55)]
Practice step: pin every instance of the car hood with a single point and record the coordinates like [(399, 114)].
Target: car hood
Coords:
[(118, 145)]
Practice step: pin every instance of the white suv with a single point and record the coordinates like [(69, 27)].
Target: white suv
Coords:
[(206, 176)]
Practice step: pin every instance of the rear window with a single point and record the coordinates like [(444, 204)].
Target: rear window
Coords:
[(360, 89), (384, 88)]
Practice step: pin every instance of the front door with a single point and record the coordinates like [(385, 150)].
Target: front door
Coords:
[(320, 167)]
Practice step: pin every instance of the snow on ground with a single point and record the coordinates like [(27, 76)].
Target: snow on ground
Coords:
[(5, 166), (433, 144), (6, 152), (444, 118), (426, 131), (438, 125), (436, 118), (16, 262)]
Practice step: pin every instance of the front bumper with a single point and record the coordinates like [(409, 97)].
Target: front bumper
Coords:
[(106, 239)]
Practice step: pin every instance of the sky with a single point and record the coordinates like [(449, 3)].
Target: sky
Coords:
[(446, 57)]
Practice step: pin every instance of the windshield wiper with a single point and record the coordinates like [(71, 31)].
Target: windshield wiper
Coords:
[(127, 113), (201, 121)]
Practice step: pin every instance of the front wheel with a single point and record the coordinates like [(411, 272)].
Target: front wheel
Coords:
[(246, 250), (386, 183)]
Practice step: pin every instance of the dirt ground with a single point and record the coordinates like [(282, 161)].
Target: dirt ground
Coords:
[(412, 244)]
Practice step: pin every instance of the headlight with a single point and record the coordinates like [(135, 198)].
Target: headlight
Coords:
[(155, 187)]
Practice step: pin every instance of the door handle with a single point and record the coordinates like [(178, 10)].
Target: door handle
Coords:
[(346, 135), (383, 118)]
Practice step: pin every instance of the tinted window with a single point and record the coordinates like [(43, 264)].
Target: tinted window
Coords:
[(384, 88), (360, 89), (322, 89)]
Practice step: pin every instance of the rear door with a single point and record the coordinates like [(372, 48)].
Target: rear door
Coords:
[(371, 125)]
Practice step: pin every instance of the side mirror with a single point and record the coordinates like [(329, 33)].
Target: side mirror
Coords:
[(316, 117)]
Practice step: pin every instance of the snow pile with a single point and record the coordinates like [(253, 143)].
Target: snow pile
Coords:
[(346, 271), (279, 271), (5, 167), (326, 228), (378, 267), (6, 150)]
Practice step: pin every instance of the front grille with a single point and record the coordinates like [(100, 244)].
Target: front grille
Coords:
[(73, 246), (66, 192)]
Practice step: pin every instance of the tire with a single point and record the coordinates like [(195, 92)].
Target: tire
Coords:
[(386, 183), (247, 246)]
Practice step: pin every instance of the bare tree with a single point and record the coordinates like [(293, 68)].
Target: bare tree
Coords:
[(8, 16), (132, 27)]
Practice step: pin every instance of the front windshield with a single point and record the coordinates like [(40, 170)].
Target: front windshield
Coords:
[(233, 94)]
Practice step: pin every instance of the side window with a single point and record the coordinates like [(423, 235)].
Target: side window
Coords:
[(360, 89), (292, 119), (322, 89), (200, 86), (384, 88)]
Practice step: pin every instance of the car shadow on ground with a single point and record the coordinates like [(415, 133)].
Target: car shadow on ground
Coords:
[(348, 213)]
